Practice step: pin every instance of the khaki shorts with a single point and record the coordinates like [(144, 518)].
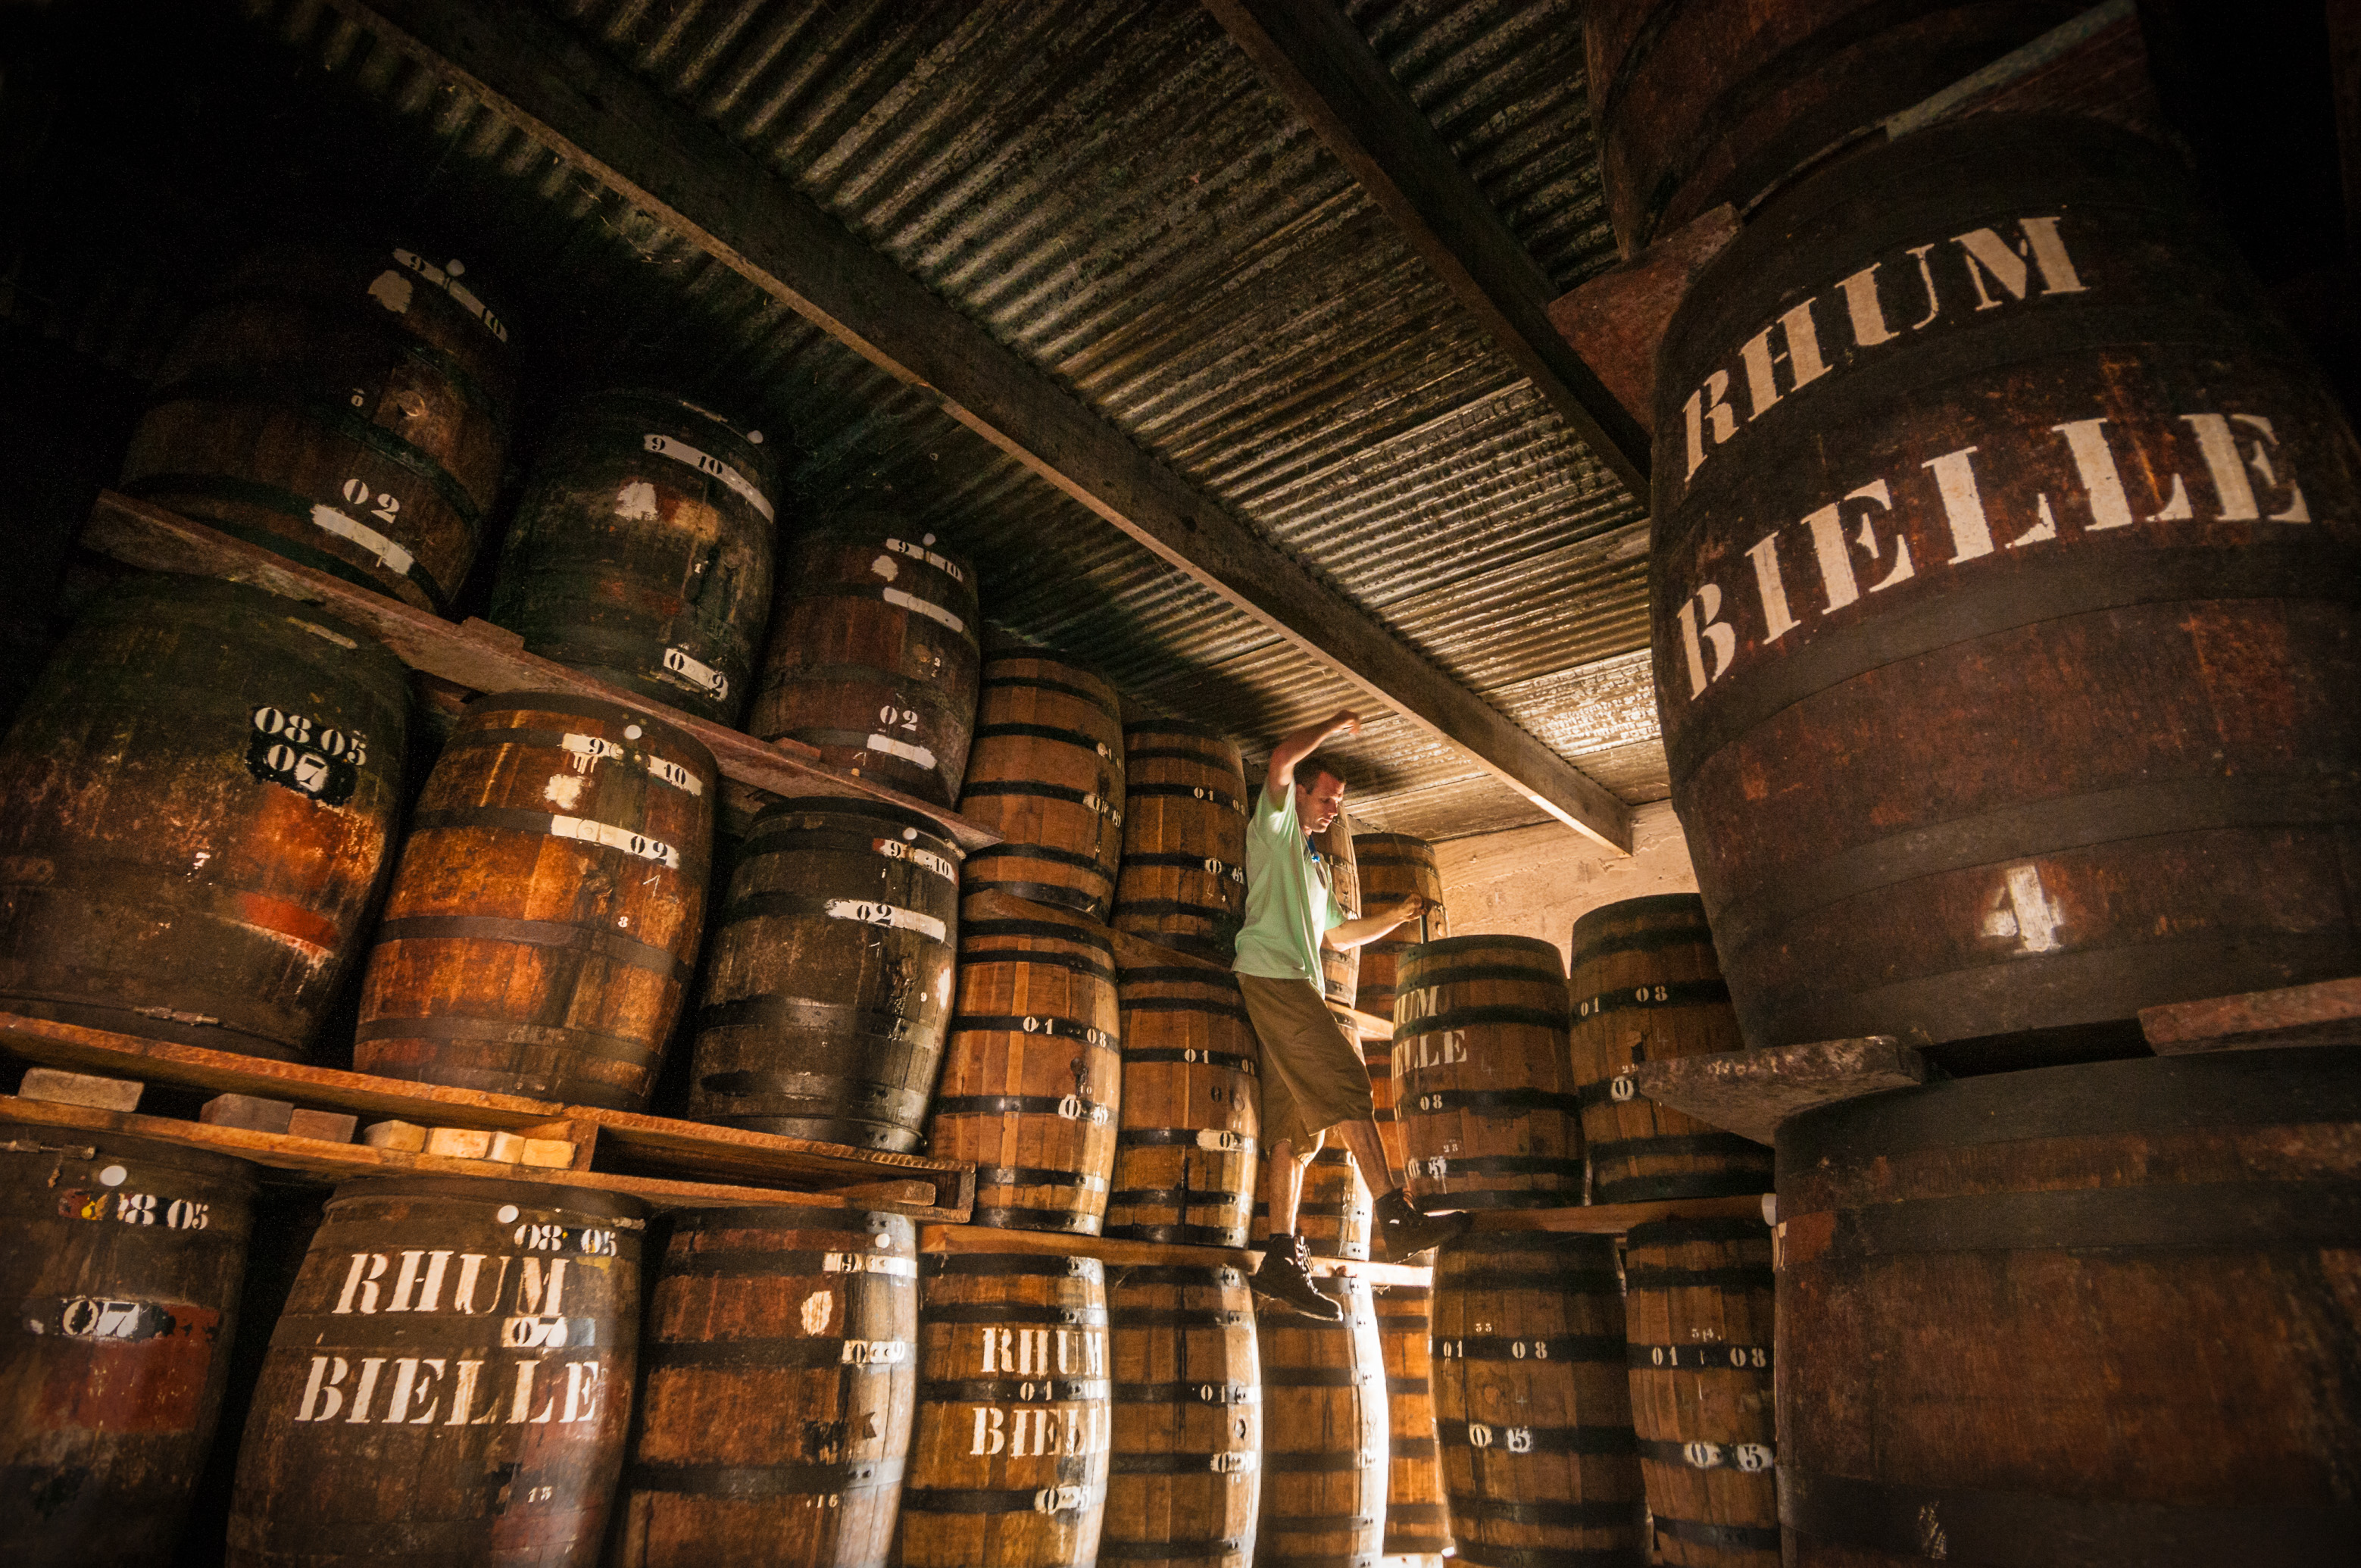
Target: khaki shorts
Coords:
[(1312, 1075)]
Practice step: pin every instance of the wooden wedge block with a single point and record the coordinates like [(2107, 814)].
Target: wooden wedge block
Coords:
[(459, 1143), (1750, 1092), (2326, 1013), (62, 1088), (328, 1126), (506, 1147), (405, 1138), (556, 1154), (251, 1111)]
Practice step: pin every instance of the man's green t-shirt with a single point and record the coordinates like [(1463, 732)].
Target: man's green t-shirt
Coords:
[(1290, 900)]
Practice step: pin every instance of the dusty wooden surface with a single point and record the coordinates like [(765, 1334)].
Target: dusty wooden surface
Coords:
[(1750, 1092), (2325, 1013)]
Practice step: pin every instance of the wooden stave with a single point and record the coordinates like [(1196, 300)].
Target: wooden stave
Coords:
[(290, 871), (881, 1098), (611, 593), (1186, 1381), (960, 1295), (812, 1473), (1586, 1471), (1390, 866), (1325, 1417), (1335, 1214), (1063, 833), (1642, 1152), (1185, 804), (459, 840), (296, 381), (1154, 1177), (839, 653), (1703, 1290), (1417, 1523), (1511, 1028), (122, 1424), (350, 1512), (2127, 1246)]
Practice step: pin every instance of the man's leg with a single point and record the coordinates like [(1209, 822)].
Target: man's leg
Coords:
[(1402, 1231), (1369, 1153), (1283, 1187)]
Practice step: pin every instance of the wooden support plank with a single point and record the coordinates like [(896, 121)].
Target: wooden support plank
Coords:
[(1615, 1218), (1317, 60), (659, 1143), (1368, 1026), (1750, 1092), (1121, 1253), (2327, 1012), (592, 111), (476, 655)]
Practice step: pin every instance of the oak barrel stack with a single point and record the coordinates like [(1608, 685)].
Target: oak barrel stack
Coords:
[(642, 551), (544, 922), (1483, 1091), (1334, 1211), (781, 1368), (1417, 1524), (825, 995), (1185, 1476), (122, 1262), (1047, 775), (1324, 1434), (198, 811), (1183, 878), (1188, 1139), (2001, 396), (873, 655), (450, 1382), (1393, 866)]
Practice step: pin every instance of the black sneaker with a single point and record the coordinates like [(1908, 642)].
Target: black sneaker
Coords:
[(1402, 1231), (1286, 1279)]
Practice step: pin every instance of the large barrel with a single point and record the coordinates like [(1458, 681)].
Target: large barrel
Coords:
[(1417, 1525), (1333, 1212), (826, 988), (1340, 967), (1482, 1086), (874, 655), (1393, 866), (2011, 691), (1047, 775), (197, 812), (1323, 1434), (1697, 1306), (451, 1380), (1032, 1078), (1532, 1406), (1183, 879), (121, 1261), (781, 1373), (1009, 1465), (2101, 1313), (1702, 101), (1188, 1145), (544, 920), (347, 409), (1186, 1475), (640, 553), (1647, 987)]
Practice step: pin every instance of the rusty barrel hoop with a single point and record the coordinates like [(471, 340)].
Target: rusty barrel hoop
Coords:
[(347, 409), (1417, 1523), (2160, 1246), (450, 1380), (546, 915), (198, 807), (873, 655), (827, 989), (1183, 878), (1047, 775), (642, 552), (1187, 1144), (780, 1372), (1482, 1088), (1326, 1448), (122, 1261), (1185, 1477), (2076, 448), (1333, 1212), (1391, 866)]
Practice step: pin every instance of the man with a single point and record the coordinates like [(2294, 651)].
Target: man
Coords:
[(1312, 1078)]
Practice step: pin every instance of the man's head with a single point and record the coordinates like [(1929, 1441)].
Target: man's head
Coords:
[(1318, 794)]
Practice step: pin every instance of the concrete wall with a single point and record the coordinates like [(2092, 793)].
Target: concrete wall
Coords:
[(1536, 882)]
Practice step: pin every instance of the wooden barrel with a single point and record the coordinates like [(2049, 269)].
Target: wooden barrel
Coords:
[(121, 1261), (827, 989), (1009, 1466), (1532, 1406), (1032, 1077), (781, 1377), (197, 812), (545, 919), (2143, 1351), (1391, 866), (874, 655), (2090, 458), (1488, 1112), (1333, 1212), (1697, 1306), (1183, 880), (1417, 1524), (347, 409), (1323, 1436), (1647, 987), (1702, 101), (640, 553), (1188, 1145), (450, 1382), (1047, 775), (1340, 967), (1185, 1476)]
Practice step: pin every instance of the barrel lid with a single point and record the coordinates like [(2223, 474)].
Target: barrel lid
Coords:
[(624, 714), (1444, 946), (1655, 912), (899, 817), (103, 1148), (617, 1209)]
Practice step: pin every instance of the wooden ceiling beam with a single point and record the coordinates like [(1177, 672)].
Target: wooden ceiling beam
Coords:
[(593, 112), (1317, 60)]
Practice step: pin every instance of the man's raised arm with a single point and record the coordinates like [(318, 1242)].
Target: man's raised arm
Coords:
[(1292, 749)]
